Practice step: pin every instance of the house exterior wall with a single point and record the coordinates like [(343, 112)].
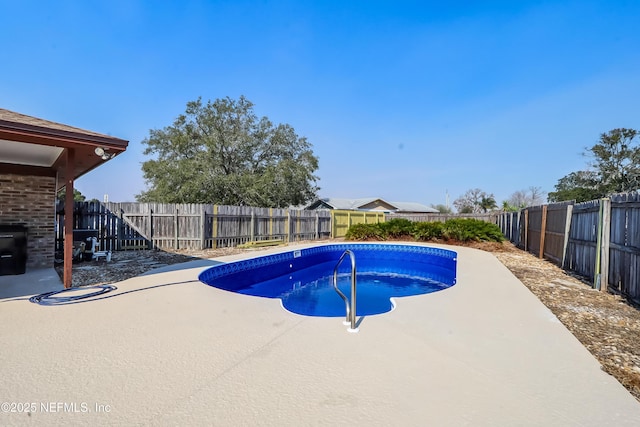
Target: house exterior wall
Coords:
[(30, 201)]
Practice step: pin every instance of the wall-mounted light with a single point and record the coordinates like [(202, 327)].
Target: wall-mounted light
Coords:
[(102, 152)]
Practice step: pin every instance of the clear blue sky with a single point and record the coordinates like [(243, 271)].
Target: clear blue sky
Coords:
[(403, 100)]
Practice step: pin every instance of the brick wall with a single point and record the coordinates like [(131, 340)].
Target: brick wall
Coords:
[(30, 201)]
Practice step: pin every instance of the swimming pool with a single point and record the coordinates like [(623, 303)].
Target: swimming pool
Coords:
[(302, 279)]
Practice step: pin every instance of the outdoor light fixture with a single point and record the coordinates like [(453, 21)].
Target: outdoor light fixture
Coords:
[(102, 152)]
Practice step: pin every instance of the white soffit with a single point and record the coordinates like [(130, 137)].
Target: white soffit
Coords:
[(28, 154)]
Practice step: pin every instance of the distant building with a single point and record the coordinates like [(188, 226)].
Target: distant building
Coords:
[(370, 204)]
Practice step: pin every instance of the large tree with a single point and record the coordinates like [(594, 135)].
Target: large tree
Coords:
[(220, 152), (488, 203), (475, 201), (615, 168), (580, 186), (617, 159), (522, 198)]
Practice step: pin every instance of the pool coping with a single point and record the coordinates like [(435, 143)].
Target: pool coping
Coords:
[(167, 349)]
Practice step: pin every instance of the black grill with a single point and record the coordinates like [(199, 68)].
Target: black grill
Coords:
[(13, 249)]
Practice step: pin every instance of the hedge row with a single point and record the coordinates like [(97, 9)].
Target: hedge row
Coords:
[(457, 229)]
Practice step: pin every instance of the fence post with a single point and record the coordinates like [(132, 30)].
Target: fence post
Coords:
[(203, 226), (504, 221), (288, 225), (150, 234), (543, 230), (253, 225), (515, 227), (270, 223), (120, 230), (332, 223), (518, 225), (606, 237), (567, 231), (503, 225), (526, 230), (214, 231), (317, 233), (175, 229), (598, 233)]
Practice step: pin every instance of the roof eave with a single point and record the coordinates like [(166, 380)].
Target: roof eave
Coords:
[(40, 135)]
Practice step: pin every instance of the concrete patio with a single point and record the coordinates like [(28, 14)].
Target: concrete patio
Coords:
[(34, 281), (165, 349)]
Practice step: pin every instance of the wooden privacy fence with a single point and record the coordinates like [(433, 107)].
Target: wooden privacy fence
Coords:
[(509, 223), (129, 225), (599, 239), (191, 226), (545, 229), (341, 220)]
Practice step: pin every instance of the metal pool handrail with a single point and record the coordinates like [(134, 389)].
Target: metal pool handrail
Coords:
[(349, 305)]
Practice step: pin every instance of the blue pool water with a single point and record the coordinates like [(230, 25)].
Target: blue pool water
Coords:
[(302, 279)]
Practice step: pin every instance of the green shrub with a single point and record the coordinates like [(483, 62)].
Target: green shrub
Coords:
[(468, 229), (365, 232), (489, 232), (459, 229), (425, 231), (397, 227), (456, 229)]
